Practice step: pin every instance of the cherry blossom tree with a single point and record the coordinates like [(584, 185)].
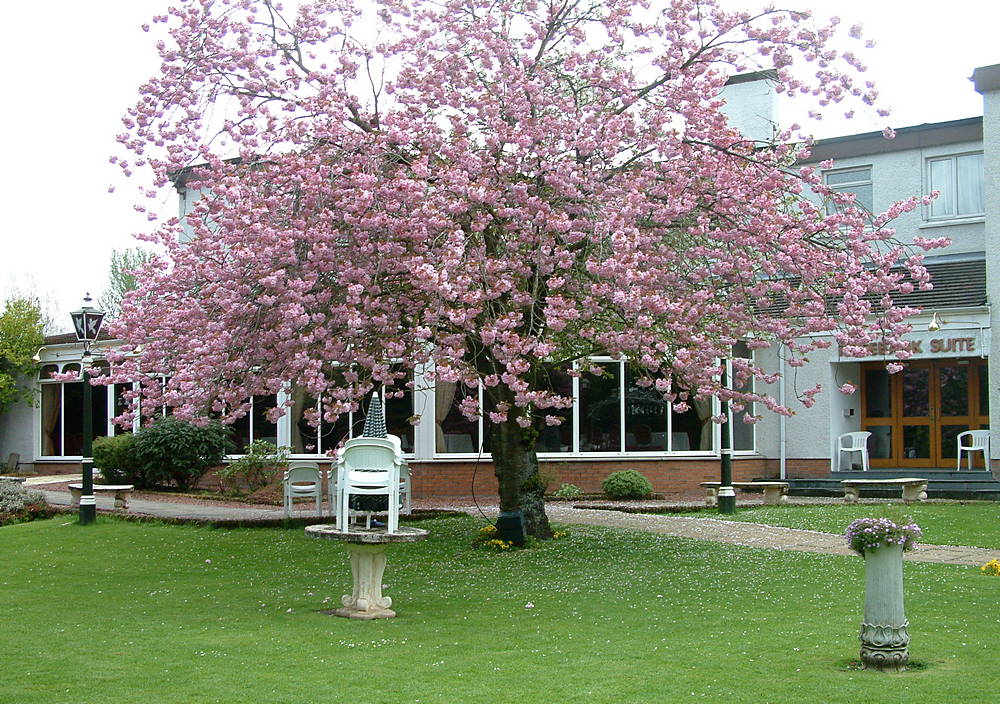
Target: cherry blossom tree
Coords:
[(491, 192)]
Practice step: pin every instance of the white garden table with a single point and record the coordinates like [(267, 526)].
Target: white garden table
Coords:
[(367, 548)]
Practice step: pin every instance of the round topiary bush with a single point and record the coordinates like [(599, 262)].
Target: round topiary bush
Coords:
[(115, 457), (627, 484)]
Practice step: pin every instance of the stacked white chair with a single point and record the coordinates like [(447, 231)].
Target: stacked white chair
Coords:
[(405, 487), (368, 466)]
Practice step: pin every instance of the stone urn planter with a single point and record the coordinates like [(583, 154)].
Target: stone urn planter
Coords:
[(884, 633)]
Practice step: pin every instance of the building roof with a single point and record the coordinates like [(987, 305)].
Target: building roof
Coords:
[(969, 129), (69, 338), (959, 282)]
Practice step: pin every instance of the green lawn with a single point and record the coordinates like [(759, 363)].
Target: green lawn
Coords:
[(130, 612), (975, 524)]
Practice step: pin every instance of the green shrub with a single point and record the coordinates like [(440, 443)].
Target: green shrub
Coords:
[(116, 458), (568, 491), (258, 466), (627, 484), (14, 497), (173, 450)]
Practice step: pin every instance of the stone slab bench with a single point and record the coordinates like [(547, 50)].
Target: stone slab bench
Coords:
[(122, 493), (774, 492), (914, 488), (16, 480)]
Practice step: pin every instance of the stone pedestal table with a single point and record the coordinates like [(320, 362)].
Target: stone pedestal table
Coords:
[(367, 549), (884, 632)]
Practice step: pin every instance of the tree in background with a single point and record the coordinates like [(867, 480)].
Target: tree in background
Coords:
[(22, 325), (122, 278), (493, 193)]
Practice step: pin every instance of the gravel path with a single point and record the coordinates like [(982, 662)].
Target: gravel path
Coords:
[(698, 528)]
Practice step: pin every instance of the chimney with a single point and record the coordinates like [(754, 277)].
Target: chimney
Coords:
[(752, 105)]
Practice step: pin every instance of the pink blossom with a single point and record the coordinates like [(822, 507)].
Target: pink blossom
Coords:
[(471, 219)]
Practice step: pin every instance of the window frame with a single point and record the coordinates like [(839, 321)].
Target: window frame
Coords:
[(955, 185), (575, 453), (850, 187), (109, 428)]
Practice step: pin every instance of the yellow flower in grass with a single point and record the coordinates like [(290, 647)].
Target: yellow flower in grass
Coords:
[(991, 568)]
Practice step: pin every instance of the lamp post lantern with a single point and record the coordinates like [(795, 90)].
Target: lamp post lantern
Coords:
[(87, 323)]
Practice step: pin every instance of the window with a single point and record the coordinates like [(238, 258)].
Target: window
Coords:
[(255, 425), (61, 413), (857, 181), (959, 180), (612, 413), (310, 439), (453, 432), (743, 433)]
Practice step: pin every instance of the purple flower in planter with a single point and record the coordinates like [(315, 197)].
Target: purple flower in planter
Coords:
[(871, 533)]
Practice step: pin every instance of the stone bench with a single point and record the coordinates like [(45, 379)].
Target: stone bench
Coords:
[(914, 488), (121, 492), (16, 480), (774, 492)]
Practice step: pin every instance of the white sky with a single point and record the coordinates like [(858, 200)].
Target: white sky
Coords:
[(72, 68)]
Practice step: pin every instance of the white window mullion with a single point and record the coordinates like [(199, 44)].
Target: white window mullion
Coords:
[(62, 419), (575, 418), (621, 406)]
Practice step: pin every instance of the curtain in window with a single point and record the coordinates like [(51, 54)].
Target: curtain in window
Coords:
[(444, 395), (51, 410)]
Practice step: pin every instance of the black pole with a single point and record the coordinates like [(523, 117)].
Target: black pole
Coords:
[(727, 496), (88, 504)]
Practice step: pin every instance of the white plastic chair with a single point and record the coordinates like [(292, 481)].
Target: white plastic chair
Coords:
[(980, 442), (856, 442), (368, 467), (405, 488), (303, 480)]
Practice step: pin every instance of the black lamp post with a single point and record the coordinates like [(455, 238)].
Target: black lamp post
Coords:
[(87, 323)]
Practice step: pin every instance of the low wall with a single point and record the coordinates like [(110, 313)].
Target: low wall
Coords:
[(468, 478), (671, 477)]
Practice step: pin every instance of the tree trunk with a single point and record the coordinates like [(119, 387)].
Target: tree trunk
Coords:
[(516, 467)]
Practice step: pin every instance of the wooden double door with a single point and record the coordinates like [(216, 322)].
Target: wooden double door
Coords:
[(915, 416)]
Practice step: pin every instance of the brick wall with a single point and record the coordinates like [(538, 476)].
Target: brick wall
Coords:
[(671, 477)]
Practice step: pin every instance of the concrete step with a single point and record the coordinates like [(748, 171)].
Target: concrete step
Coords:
[(940, 485), (963, 475)]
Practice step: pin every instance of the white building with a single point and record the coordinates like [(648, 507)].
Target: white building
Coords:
[(913, 416)]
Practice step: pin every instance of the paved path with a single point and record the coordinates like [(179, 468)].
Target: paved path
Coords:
[(756, 535), (732, 532)]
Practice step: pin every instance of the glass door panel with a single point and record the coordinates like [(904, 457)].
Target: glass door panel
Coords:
[(949, 444), (916, 392), (984, 390), (953, 383), (878, 393), (880, 442), (916, 442)]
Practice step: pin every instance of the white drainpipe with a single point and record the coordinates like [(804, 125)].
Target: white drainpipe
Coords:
[(782, 437)]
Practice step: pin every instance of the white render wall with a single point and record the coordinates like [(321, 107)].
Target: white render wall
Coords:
[(17, 424), (991, 169), (899, 175)]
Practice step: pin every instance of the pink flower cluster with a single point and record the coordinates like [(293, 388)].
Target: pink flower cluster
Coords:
[(487, 192)]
